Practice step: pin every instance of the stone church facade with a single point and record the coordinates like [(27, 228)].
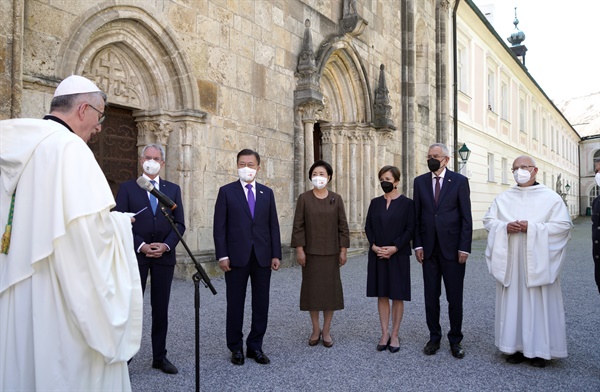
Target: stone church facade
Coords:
[(359, 83)]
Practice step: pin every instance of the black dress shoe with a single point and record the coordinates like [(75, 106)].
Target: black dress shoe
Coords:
[(383, 347), (237, 357), (515, 358), (431, 347), (258, 356), (538, 362), (165, 366), (457, 350)]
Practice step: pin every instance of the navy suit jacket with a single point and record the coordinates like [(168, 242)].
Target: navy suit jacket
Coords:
[(148, 227), (450, 220), (235, 232), (596, 238)]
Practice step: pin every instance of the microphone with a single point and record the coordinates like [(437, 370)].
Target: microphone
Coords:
[(144, 183)]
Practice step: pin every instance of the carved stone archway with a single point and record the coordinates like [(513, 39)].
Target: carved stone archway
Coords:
[(135, 59), (333, 89)]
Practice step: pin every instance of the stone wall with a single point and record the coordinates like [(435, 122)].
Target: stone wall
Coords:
[(209, 78)]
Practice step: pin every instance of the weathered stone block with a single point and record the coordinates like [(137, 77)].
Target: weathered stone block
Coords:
[(208, 92)]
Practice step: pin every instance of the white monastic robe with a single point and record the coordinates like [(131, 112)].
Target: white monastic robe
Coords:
[(529, 306), (70, 293)]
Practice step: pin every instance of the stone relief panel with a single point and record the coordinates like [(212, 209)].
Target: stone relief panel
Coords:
[(115, 75)]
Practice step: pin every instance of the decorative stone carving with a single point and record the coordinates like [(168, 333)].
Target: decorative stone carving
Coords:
[(114, 75), (310, 111), (326, 112), (352, 23), (308, 88), (382, 111)]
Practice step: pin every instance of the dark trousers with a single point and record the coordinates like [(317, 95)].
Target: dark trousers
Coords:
[(435, 268), (237, 281), (161, 277)]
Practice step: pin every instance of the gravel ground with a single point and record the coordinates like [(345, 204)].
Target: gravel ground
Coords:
[(353, 364)]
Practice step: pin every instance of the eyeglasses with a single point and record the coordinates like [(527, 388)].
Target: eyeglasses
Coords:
[(524, 167), (251, 165), (102, 115), (157, 159), (438, 157)]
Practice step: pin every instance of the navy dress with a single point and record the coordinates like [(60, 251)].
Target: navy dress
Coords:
[(393, 226)]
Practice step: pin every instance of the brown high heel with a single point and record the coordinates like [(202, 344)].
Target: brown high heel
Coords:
[(314, 342), (328, 344)]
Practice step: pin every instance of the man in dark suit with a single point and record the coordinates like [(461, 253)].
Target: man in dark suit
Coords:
[(247, 245), (596, 227), (442, 243), (155, 242)]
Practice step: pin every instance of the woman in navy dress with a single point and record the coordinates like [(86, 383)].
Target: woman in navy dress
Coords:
[(389, 228)]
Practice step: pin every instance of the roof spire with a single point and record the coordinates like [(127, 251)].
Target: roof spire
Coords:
[(517, 37)]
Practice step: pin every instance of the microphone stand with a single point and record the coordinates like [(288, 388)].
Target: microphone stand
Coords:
[(200, 275)]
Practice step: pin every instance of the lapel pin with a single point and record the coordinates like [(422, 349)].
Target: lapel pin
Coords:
[(261, 191)]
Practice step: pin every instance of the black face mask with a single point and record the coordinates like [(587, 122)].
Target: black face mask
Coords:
[(387, 186), (433, 164)]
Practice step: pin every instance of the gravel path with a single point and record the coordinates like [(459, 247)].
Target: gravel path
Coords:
[(353, 364)]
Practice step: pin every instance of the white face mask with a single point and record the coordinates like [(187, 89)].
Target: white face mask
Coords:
[(151, 167), (597, 177), (246, 174), (319, 182), (522, 176)]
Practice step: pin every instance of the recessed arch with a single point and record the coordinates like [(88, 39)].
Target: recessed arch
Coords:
[(345, 84), (151, 50)]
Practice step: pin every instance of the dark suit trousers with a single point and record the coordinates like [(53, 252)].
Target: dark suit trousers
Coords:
[(237, 281), (434, 269), (161, 277)]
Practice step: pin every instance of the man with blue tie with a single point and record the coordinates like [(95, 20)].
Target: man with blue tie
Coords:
[(154, 242), (442, 244), (247, 245)]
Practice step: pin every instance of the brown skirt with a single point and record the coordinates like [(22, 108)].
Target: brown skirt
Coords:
[(321, 284)]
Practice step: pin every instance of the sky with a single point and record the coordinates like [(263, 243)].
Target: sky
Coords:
[(561, 37)]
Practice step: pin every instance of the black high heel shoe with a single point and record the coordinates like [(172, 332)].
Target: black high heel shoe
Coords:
[(383, 347), (392, 348)]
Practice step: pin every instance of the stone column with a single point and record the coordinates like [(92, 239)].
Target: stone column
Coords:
[(309, 148), (310, 112), (339, 164), (442, 67), (16, 73), (408, 93), (368, 172), (299, 176), (353, 139), (328, 140)]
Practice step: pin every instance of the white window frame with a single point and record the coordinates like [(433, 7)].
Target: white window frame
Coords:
[(505, 100), (491, 89), (522, 115), (504, 171)]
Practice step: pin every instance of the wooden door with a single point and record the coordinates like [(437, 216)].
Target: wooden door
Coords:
[(115, 148)]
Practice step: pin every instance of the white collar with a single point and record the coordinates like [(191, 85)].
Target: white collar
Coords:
[(442, 174), (244, 183), (156, 179)]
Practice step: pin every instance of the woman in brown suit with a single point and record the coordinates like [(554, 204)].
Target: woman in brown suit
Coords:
[(321, 238)]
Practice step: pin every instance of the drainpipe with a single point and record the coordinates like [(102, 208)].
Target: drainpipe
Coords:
[(455, 80)]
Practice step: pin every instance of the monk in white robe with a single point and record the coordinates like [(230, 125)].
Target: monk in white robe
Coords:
[(70, 293), (529, 227)]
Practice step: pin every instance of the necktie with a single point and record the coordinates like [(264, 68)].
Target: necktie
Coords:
[(153, 199), (251, 201), (436, 193)]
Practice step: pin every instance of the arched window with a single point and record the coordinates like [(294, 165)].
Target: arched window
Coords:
[(595, 191), (596, 159)]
